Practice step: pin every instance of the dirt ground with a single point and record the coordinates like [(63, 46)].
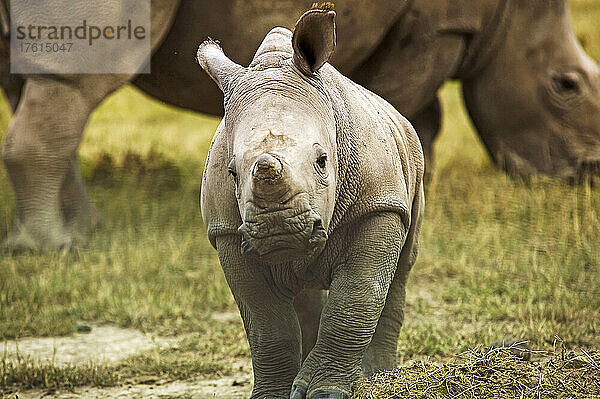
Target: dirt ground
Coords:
[(109, 344), (236, 386), (103, 344), (226, 387)]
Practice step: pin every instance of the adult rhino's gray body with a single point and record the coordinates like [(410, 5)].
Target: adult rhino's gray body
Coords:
[(311, 183), (531, 91)]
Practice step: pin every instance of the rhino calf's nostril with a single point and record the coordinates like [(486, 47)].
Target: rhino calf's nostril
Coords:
[(246, 248), (267, 167), (318, 235)]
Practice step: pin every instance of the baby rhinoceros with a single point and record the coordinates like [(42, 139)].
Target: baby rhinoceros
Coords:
[(312, 183)]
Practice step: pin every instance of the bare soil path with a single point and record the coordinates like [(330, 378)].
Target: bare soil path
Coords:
[(103, 344), (110, 344), (236, 386)]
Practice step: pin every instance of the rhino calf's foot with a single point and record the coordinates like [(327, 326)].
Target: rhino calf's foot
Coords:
[(299, 392), (329, 394)]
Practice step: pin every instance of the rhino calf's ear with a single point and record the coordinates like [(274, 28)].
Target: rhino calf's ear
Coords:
[(213, 60), (313, 40)]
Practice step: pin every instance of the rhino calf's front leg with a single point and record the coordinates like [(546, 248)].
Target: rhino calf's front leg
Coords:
[(269, 319), (357, 295)]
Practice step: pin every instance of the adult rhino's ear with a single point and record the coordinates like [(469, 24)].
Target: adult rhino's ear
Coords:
[(213, 60), (313, 40)]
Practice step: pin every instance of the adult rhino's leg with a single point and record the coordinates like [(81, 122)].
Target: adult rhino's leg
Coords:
[(356, 299), (427, 123), (269, 319), (39, 152), (12, 84), (308, 305), (80, 215), (40, 149), (381, 352)]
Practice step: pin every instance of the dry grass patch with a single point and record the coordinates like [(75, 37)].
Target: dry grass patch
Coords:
[(493, 374)]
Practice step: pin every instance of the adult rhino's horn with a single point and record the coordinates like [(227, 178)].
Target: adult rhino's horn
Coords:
[(213, 60), (313, 40)]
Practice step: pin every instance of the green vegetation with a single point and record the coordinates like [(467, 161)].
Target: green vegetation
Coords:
[(25, 373), (498, 257), (210, 350)]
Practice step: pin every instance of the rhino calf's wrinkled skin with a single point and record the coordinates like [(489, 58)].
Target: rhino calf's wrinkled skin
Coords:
[(312, 183)]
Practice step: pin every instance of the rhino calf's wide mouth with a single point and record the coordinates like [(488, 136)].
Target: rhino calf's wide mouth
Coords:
[(287, 233)]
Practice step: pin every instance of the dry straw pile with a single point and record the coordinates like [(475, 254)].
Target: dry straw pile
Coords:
[(495, 374)]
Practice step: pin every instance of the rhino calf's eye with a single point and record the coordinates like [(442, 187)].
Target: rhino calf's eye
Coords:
[(322, 161), (231, 168)]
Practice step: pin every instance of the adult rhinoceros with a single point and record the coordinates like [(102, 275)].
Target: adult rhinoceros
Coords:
[(531, 91)]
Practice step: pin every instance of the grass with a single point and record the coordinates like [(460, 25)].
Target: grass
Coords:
[(495, 374), (498, 258), (209, 351), (26, 373)]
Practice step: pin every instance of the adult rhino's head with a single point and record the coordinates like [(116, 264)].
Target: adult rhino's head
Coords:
[(281, 138), (536, 102)]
